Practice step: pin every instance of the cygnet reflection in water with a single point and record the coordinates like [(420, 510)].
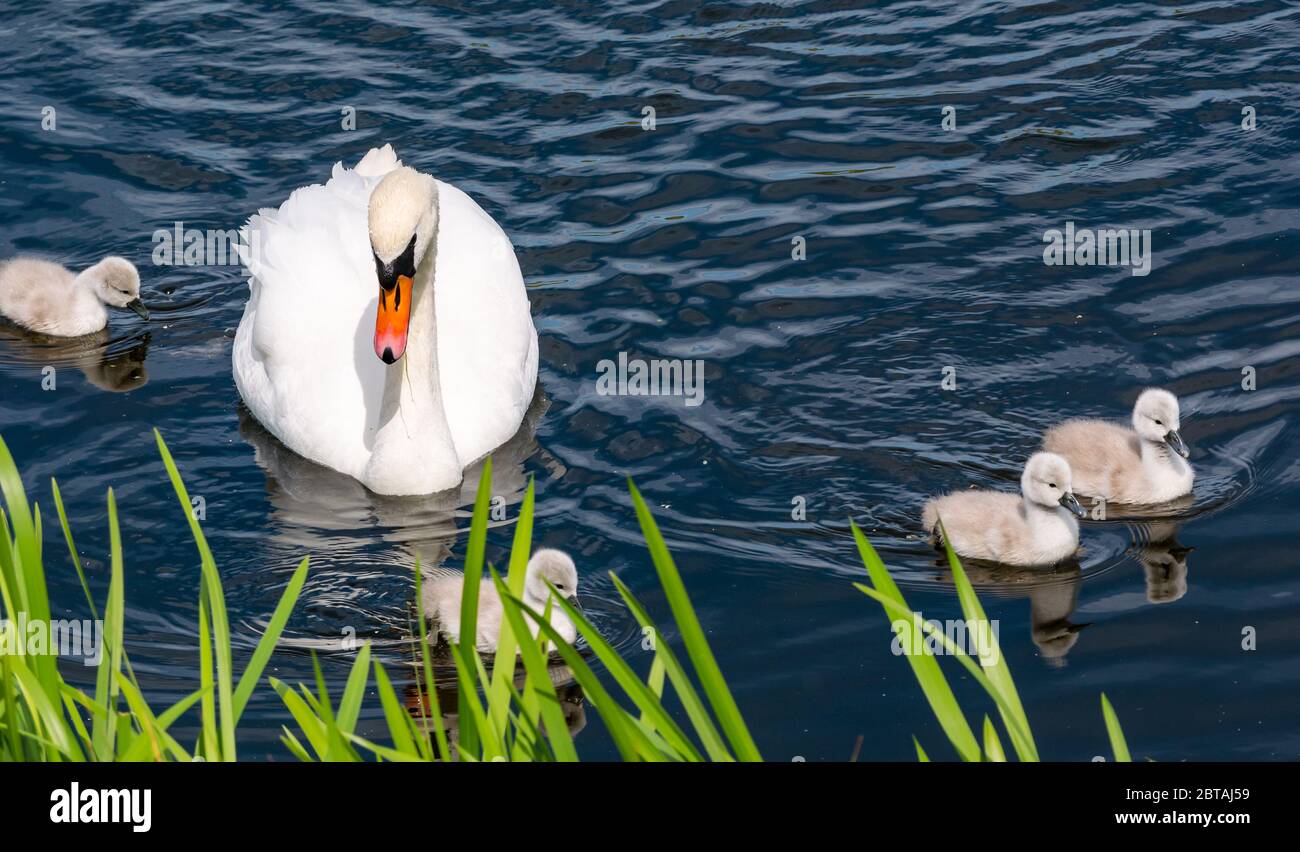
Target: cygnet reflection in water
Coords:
[(1053, 597), (572, 701), (1163, 559), (1097, 509), (106, 366)]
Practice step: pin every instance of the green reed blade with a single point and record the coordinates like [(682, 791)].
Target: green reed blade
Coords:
[(992, 659), (266, 645), (536, 664), (697, 646), (925, 667), (623, 675), (503, 665), (216, 600), (698, 714), (399, 721), (474, 550), (350, 703), (1118, 744)]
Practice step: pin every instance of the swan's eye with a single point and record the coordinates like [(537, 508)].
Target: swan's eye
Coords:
[(1158, 423), (1052, 484)]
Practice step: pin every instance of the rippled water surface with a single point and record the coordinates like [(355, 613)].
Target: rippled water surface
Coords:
[(773, 121)]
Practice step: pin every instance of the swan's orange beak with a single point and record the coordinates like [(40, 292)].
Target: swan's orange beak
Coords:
[(393, 318)]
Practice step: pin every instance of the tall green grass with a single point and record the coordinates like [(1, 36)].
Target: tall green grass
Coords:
[(499, 720), (44, 718), (508, 710), (989, 670)]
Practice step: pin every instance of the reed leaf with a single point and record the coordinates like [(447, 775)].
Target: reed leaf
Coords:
[(697, 646), (1118, 745), (925, 667)]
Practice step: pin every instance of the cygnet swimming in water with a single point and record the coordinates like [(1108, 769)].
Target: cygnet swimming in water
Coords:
[(1144, 464), (44, 297), (442, 600), (1035, 528)]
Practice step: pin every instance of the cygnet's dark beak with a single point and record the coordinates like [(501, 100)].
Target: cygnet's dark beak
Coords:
[(138, 306), (1175, 441), (1068, 501)]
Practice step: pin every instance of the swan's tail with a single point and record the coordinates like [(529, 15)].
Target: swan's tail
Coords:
[(378, 162), (268, 233)]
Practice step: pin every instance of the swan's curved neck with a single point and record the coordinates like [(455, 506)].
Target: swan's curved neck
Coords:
[(413, 446), (411, 386)]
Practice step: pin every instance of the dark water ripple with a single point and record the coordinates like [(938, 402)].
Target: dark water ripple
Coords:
[(818, 120)]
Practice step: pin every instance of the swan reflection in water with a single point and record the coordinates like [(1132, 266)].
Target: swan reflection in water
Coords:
[(315, 508), (312, 504), (104, 363)]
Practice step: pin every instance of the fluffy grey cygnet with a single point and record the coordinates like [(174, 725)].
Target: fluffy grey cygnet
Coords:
[(47, 298), (1143, 464), (442, 600), (1036, 527)]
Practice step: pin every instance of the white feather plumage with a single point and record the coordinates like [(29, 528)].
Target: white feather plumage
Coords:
[(303, 357)]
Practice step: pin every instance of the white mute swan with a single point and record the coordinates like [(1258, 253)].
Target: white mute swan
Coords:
[(442, 599), (387, 333), (1036, 528), (46, 298), (1144, 464)]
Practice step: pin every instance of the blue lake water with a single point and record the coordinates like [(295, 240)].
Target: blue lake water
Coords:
[(778, 126)]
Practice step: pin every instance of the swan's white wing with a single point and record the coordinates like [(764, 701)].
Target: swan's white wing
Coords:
[(487, 346), (303, 358)]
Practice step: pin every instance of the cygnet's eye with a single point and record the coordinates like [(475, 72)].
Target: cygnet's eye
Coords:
[(1051, 484), (1158, 423)]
